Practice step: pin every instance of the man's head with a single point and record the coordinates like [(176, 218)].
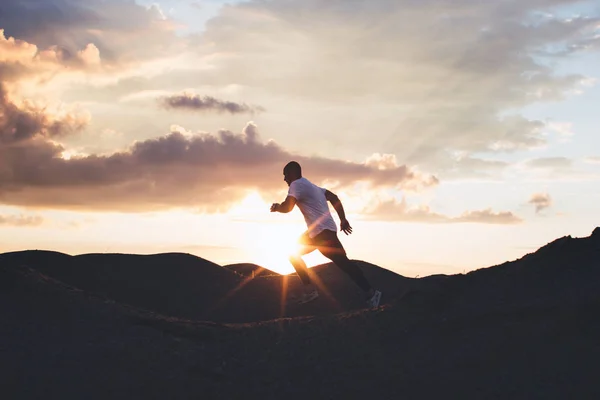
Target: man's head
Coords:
[(291, 172)]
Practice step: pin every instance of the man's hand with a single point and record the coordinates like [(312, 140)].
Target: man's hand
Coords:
[(284, 207), (345, 226)]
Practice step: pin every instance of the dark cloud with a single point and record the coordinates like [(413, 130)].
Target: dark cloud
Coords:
[(40, 20), (19, 125), (541, 201), (188, 101), (394, 211), (121, 29), (20, 220), (210, 171)]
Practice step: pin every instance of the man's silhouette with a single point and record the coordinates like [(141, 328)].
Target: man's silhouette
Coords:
[(322, 232)]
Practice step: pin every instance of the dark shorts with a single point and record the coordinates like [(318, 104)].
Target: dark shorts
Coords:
[(327, 242)]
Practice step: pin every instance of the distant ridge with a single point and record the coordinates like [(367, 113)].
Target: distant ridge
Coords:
[(186, 286)]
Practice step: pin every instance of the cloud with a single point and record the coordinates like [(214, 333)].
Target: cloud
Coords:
[(553, 169), (488, 216), (121, 30), (454, 74), (445, 80), (592, 160), (189, 101), (20, 220), (20, 59), (464, 166), (391, 210), (179, 169), (541, 201), (382, 161), (564, 130), (22, 124), (553, 163)]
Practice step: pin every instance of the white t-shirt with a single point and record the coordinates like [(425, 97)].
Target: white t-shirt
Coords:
[(311, 201)]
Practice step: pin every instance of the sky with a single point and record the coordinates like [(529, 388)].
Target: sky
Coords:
[(458, 134)]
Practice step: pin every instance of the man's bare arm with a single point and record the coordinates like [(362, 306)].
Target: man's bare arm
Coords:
[(339, 208), (285, 207)]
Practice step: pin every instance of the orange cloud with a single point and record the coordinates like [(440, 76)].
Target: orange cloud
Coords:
[(28, 55), (541, 201)]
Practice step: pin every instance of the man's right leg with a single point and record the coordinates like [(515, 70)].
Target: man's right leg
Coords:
[(310, 290), (301, 268)]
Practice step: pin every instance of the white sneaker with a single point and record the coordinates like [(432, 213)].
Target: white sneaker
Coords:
[(374, 300), (306, 297)]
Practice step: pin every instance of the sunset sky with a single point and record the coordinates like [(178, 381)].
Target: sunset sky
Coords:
[(458, 134)]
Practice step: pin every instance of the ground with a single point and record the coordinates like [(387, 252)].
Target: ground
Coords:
[(521, 330)]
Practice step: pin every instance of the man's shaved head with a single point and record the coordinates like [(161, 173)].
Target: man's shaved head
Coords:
[(291, 172), (292, 168)]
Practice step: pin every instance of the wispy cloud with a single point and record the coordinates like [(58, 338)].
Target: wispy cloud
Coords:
[(550, 163), (392, 210), (592, 160), (564, 130), (541, 201), (456, 87), (20, 220)]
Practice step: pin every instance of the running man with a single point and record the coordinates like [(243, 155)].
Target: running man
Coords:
[(322, 232)]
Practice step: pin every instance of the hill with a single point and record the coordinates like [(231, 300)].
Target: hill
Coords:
[(171, 283), (525, 329), (186, 286)]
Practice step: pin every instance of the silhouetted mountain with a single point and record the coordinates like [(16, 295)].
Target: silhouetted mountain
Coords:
[(526, 329), (187, 286), (171, 283)]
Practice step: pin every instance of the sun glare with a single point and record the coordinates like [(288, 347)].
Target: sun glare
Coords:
[(270, 238), (273, 249), (273, 244)]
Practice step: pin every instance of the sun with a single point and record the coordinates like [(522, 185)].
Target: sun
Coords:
[(273, 251), (269, 239), (273, 245)]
